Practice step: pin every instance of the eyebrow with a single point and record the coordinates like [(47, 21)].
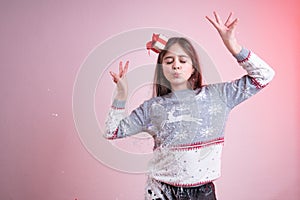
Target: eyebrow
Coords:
[(173, 56)]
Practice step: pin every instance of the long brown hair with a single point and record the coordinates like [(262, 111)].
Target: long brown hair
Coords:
[(161, 85)]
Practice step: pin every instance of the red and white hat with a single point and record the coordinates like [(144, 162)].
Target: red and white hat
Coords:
[(157, 43)]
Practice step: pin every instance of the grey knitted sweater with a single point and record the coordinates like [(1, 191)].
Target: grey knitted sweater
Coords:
[(188, 125)]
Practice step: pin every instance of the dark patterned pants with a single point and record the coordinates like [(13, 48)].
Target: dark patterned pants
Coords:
[(168, 192)]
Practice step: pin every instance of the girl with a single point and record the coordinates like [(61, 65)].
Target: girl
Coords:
[(185, 118)]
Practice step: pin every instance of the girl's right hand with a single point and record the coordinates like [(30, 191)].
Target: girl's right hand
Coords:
[(121, 81)]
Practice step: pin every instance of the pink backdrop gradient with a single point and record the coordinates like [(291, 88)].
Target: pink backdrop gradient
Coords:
[(43, 44)]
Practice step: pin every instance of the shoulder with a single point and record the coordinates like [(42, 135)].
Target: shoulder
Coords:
[(207, 88), (154, 100), (212, 90)]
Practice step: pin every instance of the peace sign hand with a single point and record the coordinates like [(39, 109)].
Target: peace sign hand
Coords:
[(227, 32), (121, 81)]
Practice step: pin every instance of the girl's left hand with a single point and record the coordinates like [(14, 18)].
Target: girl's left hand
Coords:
[(227, 32)]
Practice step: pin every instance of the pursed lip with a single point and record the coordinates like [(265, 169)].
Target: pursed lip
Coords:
[(176, 75)]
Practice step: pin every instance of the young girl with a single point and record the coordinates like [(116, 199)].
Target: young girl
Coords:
[(185, 118)]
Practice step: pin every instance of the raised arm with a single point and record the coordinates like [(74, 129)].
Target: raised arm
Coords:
[(117, 124), (259, 73), (117, 110)]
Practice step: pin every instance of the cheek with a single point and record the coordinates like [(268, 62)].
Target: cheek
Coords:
[(166, 70), (189, 70)]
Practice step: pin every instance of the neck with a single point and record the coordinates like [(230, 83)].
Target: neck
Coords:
[(179, 89)]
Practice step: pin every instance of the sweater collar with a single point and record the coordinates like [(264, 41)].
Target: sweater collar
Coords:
[(182, 94)]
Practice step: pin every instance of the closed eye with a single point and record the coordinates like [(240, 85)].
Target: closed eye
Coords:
[(169, 61)]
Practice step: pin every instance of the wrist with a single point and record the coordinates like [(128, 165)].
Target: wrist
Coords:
[(243, 55), (122, 96), (233, 47)]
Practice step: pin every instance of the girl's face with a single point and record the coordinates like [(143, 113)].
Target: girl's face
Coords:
[(177, 67)]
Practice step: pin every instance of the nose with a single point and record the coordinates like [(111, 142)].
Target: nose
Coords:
[(176, 65)]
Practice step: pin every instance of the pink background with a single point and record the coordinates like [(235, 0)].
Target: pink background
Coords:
[(43, 44)]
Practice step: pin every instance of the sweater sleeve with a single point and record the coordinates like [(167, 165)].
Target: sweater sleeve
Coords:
[(259, 71), (118, 125), (259, 74)]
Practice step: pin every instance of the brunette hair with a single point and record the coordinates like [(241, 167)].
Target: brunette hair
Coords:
[(161, 85)]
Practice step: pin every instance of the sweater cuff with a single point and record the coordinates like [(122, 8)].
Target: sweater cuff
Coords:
[(243, 55), (118, 104)]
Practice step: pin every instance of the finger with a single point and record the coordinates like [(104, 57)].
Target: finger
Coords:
[(114, 76), (212, 22), (126, 67), (228, 19), (111, 73), (218, 19), (120, 69), (233, 24)]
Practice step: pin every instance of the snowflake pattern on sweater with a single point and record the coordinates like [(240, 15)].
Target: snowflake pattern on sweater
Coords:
[(188, 125)]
